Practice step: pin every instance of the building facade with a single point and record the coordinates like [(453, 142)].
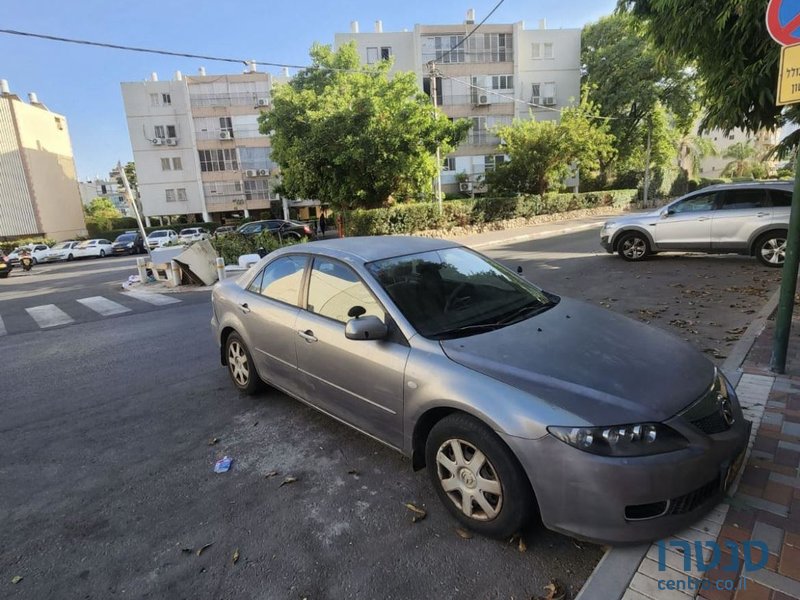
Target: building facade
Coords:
[(105, 188), (501, 72), (196, 144), (762, 141), (38, 186)]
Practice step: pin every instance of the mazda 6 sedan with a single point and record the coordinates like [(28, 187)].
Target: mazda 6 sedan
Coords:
[(517, 401)]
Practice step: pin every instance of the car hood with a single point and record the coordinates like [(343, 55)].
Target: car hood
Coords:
[(603, 368), (635, 218)]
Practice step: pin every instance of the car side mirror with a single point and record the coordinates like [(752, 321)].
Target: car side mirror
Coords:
[(366, 328)]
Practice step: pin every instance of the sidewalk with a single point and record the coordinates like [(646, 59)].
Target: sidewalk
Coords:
[(765, 505)]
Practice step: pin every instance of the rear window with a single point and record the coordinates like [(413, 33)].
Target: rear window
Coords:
[(781, 197), (188, 231), (156, 234)]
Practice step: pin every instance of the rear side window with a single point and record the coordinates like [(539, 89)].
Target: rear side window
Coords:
[(740, 199), (282, 279), (780, 197)]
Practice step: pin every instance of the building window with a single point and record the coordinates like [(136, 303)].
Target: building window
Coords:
[(372, 55), (177, 165), (543, 94), (218, 160), (165, 165), (548, 50), (159, 129), (255, 158), (59, 124), (166, 98), (153, 99), (182, 195), (386, 52), (536, 50), (444, 49), (502, 82), (171, 131), (226, 124), (170, 195), (449, 164)]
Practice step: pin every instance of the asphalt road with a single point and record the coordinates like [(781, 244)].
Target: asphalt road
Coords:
[(107, 487)]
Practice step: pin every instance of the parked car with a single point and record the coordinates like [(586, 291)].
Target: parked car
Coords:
[(516, 400), (161, 237), (96, 247), (61, 251), (130, 242), (224, 230), (36, 251), (5, 265), (741, 218), (289, 230), (193, 234)]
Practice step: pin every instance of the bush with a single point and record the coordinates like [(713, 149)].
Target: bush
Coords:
[(408, 218), (8, 246), (231, 247)]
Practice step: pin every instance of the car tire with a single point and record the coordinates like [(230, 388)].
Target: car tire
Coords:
[(70, 257), (770, 248), (5, 273), (35, 262), (240, 365), (497, 500), (633, 246), (102, 253)]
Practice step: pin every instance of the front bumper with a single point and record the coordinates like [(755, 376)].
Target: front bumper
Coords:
[(605, 242), (585, 495)]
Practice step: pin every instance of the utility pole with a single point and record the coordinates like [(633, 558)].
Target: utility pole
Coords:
[(432, 76), (132, 202), (646, 187)]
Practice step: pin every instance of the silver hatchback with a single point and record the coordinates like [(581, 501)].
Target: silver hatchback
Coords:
[(744, 218), (516, 400)]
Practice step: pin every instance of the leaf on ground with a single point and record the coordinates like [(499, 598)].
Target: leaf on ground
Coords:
[(213, 441), (353, 472), (235, 556), (419, 513), (187, 550), (287, 481), (522, 546), (204, 548), (463, 533), (270, 474), (577, 544), (16, 579), (553, 591)]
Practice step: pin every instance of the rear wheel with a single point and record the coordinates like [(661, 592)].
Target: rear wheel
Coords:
[(633, 246), (70, 257), (240, 365), (35, 261), (477, 477), (770, 248), (102, 253)]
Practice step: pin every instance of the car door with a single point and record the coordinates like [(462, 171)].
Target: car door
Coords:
[(358, 381), (269, 312), (686, 224), (740, 212)]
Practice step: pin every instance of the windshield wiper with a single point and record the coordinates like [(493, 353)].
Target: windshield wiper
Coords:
[(468, 329), (528, 310)]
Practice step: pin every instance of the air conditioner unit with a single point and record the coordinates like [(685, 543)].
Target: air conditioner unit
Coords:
[(262, 102), (549, 102), (465, 186), (225, 135), (172, 141), (263, 172), (156, 141), (483, 99), (251, 173)]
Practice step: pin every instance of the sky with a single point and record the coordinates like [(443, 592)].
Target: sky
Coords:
[(82, 82)]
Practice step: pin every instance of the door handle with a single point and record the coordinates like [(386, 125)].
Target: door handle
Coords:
[(762, 214), (702, 218), (244, 307), (307, 335)]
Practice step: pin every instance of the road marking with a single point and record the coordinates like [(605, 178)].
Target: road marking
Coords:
[(2, 327), (156, 299), (49, 315), (104, 306)]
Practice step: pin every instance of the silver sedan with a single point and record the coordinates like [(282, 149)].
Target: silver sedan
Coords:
[(517, 401)]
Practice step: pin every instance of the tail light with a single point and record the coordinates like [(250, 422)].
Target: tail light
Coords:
[(307, 229)]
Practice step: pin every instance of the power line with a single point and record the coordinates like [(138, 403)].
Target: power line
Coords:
[(469, 35)]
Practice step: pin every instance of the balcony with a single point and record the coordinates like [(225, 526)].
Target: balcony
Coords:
[(237, 133), (482, 138), (238, 99), (475, 99)]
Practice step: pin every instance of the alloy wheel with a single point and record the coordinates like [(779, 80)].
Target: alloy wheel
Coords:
[(634, 248), (237, 363), (469, 479), (773, 250)]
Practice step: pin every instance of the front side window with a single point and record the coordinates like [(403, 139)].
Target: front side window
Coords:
[(697, 203), (455, 292), (334, 289), (282, 278)]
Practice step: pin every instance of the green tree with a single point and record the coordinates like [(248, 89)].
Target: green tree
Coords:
[(638, 90), (727, 43), (692, 149), (744, 158), (130, 173), (102, 208), (353, 136), (543, 153)]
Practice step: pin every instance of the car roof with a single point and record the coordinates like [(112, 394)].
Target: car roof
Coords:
[(370, 248), (748, 184)]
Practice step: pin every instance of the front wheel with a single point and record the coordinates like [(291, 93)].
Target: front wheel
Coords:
[(477, 477), (240, 365), (35, 261), (633, 246), (70, 257), (770, 249), (102, 253)]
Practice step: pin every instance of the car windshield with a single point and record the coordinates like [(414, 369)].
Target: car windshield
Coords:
[(156, 234), (455, 292), (62, 246), (126, 237), (188, 231)]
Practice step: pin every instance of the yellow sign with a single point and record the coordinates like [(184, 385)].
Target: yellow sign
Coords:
[(789, 78)]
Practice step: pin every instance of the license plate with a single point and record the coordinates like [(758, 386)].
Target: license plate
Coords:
[(733, 470)]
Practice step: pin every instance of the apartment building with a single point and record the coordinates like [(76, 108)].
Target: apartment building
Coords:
[(502, 72), (105, 188), (38, 187), (713, 166), (196, 144)]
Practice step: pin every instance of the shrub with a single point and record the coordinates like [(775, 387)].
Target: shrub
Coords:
[(231, 247), (8, 246)]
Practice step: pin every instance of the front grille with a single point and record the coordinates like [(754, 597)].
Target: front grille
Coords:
[(711, 424), (692, 500)]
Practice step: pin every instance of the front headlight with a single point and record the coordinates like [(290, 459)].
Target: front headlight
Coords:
[(609, 225), (641, 439), (129, 245)]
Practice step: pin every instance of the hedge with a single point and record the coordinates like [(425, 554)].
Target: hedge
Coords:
[(9, 245), (418, 216)]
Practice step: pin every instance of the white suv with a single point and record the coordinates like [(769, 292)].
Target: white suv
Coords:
[(741, 218), (160, 238)]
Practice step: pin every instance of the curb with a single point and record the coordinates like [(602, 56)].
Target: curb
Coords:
[(612, 575), (533, 236)]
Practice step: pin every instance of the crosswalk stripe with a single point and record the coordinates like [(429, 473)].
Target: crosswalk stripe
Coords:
[(49, 315), (156, 299), (104, 306), (2, 327)]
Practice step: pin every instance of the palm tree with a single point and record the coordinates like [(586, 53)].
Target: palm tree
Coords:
[(743, 155), (691, 150)]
